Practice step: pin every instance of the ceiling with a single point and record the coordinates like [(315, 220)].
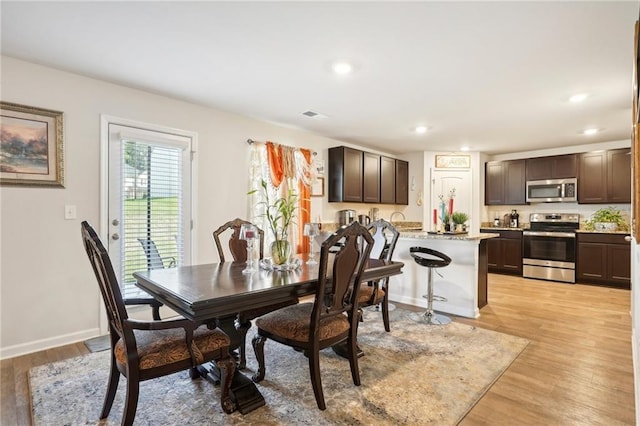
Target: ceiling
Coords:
[(492, 76)]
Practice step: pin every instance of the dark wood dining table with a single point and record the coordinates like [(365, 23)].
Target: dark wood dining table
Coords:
[(215, 293)]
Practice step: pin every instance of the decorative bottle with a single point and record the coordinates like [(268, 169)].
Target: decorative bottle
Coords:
[(514, 218)]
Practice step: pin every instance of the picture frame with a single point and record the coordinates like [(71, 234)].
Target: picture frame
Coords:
[(31, 146), (317, 187), (318, 165), (453, 161)]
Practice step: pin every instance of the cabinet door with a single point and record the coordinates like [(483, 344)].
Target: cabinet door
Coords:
[(402, 182), (352, 175), (565, 166), (539, 168), (494, 183), (387, 180), (515, 182), (493, 254), (512, 255), (619, 265), (592, 178), (371, 178), (619, 176), (591, 264)]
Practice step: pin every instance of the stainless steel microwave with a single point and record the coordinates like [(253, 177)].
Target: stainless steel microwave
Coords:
[(552, 190)]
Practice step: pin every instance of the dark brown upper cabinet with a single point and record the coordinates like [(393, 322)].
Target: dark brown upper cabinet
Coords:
[(387, 180), (402, 182), (553, 167), (345, 174), (364, 177), (604, 177), (505, 183)]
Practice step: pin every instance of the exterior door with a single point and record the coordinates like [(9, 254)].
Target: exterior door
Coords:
[(148, 199)]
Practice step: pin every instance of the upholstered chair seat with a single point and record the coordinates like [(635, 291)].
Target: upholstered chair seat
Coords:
[(159, 348), (369, 295)]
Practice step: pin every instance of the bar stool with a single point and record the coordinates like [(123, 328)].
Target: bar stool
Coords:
[(433, 259)]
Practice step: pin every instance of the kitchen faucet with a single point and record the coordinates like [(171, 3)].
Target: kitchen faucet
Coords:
[(395, 213)]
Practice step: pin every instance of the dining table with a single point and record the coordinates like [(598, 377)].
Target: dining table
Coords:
[(216, 293)]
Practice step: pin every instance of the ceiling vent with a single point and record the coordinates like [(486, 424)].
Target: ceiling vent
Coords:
[(313, 114)]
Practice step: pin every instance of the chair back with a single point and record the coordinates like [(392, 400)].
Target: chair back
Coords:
[(385, 237), (154, 261), (107, 281), (340, 273), (237, 247)]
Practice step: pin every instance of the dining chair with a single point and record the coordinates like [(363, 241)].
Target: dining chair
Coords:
[(238, 250), (332, 318), (376, 293), (143, 350), (154, 261)]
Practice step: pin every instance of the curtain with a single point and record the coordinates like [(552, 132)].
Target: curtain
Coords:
[(282, 168)]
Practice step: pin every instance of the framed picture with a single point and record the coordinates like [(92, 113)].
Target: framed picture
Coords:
[(459, 161), (317, 187), (31, 146), (318, 165)]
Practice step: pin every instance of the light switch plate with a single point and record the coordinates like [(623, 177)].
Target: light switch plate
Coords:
[(70, 212)]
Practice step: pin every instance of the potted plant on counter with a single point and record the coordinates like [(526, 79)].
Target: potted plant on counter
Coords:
[(607, 219), (460, 219)]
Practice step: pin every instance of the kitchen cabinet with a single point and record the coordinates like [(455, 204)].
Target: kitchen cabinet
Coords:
[(359, 176), (402, 182), (603, 259), (371, 178), (604, 177), (505, 182), (504, 253), (387, 180), (345, 175), (552, 167)]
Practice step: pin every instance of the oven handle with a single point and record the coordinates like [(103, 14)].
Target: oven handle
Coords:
[(548, 234)]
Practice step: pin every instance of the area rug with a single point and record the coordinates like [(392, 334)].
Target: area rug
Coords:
[(416, 374)]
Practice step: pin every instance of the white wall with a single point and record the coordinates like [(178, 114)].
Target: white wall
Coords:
[(48, 294)]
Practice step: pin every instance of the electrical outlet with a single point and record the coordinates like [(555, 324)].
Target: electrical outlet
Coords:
[(69, 212)]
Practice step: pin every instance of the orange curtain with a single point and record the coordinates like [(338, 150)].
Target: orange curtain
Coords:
[(304, 204)]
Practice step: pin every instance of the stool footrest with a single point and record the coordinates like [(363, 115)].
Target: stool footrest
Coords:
[(436, 298)]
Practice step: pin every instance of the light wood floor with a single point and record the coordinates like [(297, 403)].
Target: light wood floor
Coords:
[(577, 370)]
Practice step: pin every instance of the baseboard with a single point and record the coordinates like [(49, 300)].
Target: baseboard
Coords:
[(636, 371), (52, 342)]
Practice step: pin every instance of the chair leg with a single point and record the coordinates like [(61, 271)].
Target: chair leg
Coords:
[(352, 352), (258, 348), (131, 404), (316, 381), (227, 367), (385, 312), (112, 386), (155, 312)]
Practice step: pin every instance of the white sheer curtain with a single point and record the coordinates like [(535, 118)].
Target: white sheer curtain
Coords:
[(259, 171)]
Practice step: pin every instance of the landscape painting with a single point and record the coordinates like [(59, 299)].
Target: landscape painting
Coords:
[(31, 146)]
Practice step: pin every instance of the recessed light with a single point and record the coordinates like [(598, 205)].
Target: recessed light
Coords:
[(578, 97), (421, 129), (464, 148), (342, 68), (589, 132)]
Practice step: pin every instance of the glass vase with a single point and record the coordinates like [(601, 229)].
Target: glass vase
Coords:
[(280, 252)]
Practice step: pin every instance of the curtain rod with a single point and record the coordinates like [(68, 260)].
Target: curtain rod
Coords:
[(251, 141)]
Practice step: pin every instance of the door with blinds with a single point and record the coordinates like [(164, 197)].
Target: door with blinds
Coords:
[(149, 200)]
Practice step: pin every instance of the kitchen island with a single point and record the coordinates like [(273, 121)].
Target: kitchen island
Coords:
[(463, 282)]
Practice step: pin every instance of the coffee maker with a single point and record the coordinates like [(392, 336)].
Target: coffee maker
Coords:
[(345, 217)]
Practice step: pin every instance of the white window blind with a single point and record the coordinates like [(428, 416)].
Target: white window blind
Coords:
[(152, 201)]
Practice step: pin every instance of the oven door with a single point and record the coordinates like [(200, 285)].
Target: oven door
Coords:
[(549, 255)]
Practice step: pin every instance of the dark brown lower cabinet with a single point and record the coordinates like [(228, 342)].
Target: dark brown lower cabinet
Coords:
[(504, 253), (604, 259)]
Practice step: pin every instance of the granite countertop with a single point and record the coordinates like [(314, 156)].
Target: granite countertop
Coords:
[(461, 237), (584, 231), (502, 228)]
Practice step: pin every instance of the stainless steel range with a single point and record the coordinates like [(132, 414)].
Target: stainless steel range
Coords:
[(549, 247)]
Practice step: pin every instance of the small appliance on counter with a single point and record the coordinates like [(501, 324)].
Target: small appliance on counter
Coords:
[(345, 217), (363, 219)]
